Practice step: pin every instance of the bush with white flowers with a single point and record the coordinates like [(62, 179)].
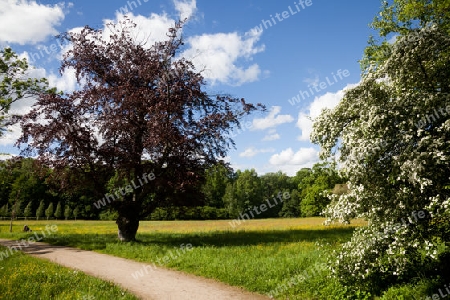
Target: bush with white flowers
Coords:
[(392, 134)]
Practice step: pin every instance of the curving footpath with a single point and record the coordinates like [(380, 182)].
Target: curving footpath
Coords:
[(156, 284)]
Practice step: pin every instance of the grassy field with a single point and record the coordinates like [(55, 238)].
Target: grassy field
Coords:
[(283, 257)]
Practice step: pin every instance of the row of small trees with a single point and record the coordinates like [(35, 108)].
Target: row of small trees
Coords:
[(49, 212)]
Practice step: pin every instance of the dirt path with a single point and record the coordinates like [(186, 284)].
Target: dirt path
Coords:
[(155, 283)]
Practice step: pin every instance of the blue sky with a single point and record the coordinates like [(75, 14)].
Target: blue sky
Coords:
[(296, 57)]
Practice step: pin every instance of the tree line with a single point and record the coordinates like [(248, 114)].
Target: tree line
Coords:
[(28, 191)]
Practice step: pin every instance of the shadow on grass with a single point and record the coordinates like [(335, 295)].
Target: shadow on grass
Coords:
[(209, 239)]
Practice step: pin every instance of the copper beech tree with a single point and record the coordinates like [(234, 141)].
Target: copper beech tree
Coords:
[(138, 109)]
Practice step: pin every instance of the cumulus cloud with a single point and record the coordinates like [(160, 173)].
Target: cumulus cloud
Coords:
[(11, 136), (329, 100), (153, 28), (67, 82), (272, 120), (290, 162), (301, 157), (148, 30), (223, 57), (218, 54), (250, 152), (272, 135), (186, 9), (27, 22), (4, 156)]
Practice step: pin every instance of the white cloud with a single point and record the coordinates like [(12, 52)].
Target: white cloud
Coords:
[(11, 136), (233, 165), (290, 162), (271, 137), (186, 9), (329, 100), (4, 156), (301, 157), (217, 54), (67, 82), (250, 152), (27, 22), (148, 29), (151, 29), (272, 120), (305, 125)]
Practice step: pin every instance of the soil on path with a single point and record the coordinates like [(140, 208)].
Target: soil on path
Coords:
[(156, 283)]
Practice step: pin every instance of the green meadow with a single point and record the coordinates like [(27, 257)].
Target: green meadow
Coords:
[(285, 258)]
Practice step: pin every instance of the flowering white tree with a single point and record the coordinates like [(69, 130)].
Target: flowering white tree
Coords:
[(392, 137)]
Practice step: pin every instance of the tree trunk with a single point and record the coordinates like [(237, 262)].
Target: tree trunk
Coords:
[(128, 221)]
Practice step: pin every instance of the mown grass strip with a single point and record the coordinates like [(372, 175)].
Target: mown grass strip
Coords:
[(26, 277)]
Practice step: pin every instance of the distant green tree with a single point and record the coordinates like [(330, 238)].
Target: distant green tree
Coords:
[(248, 190), (58, 212), (298, 178), (274, 182), (315, 199), (217, 178), (41, 210), (291, 206), (89, 212), (271, 185), (8, 173), (16, 208), (75, 212), (49, 211), (67, 212), (4, 211), (315, 187), (28, 212), (230, 199), (27, 183)]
